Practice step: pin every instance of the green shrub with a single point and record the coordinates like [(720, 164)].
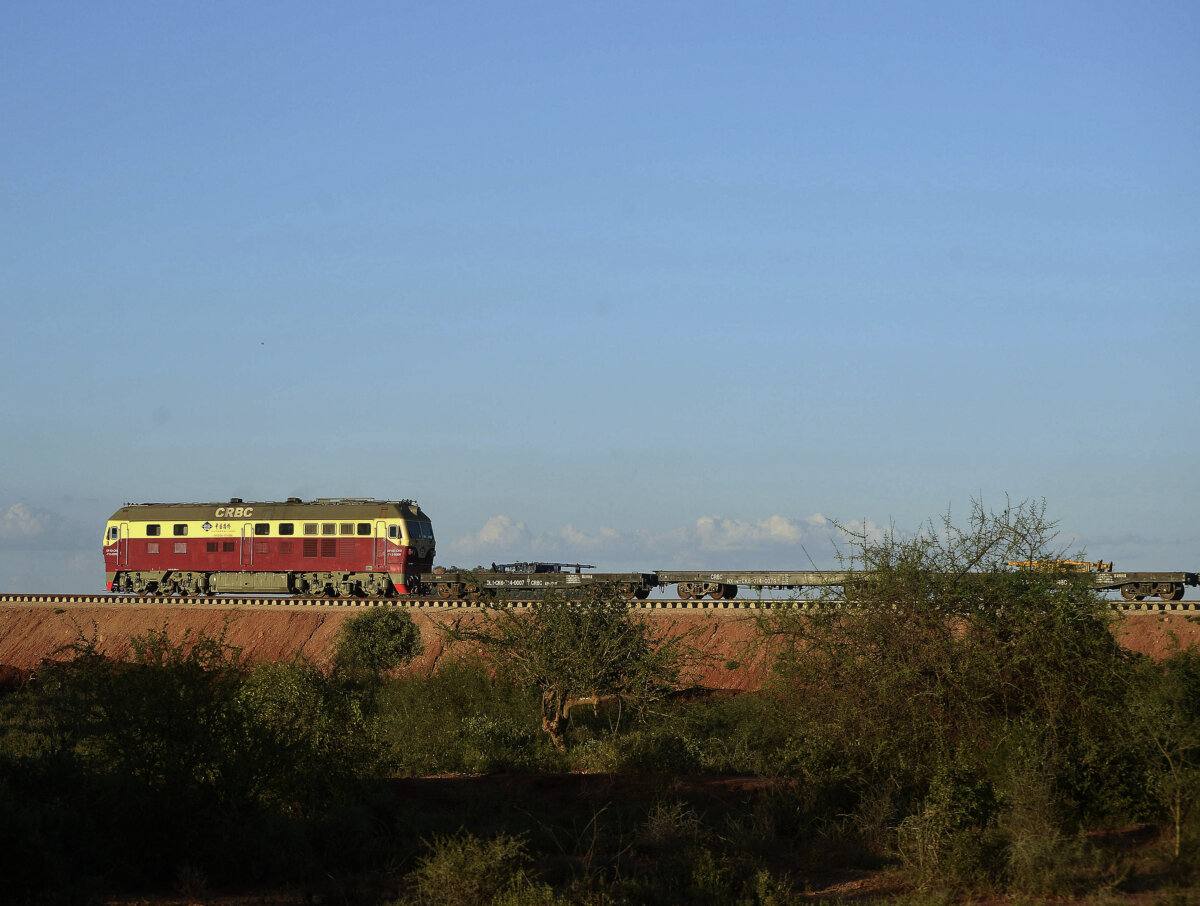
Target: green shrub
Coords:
[(462, 719), (375, 643), (464, 870)]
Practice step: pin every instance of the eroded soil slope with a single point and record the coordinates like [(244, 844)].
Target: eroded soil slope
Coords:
[(30, 633)]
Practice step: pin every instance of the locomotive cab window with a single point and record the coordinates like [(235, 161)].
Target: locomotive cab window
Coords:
[(287, 528), (393, 531), (364, 528), (180, 528), (152, 530), (262, 528), (112, 533)]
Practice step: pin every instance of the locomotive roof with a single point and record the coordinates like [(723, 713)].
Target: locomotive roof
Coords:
[(292, 508)]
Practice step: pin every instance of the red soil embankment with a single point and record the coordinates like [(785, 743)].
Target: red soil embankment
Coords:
[(1158, 634), (30, 633)]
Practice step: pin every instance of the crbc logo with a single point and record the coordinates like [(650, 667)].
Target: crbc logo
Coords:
[(229, 512)]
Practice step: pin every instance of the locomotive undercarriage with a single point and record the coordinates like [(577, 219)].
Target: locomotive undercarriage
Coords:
[(315, 584)]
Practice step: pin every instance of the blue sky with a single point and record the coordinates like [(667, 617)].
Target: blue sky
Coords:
[(639, 284)]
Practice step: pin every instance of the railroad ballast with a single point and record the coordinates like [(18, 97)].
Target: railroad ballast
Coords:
[(360, 547)]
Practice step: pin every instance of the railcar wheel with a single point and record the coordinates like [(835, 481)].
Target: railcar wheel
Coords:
[(684, 590), (1130, 593), (1174, 593)]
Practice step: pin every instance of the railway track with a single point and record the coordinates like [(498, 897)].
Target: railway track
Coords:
[(435, 604)]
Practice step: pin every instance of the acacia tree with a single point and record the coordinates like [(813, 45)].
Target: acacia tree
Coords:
[(938, 670), (1165, 710), (578, 651)]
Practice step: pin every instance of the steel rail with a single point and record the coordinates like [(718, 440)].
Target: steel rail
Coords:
[(435, 604)]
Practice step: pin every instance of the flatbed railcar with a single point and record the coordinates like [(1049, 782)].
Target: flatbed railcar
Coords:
[(348, 546), (725, 584), (531, 578), (1139, 586)]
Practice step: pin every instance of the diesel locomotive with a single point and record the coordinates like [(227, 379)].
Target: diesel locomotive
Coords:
[(348, 547)]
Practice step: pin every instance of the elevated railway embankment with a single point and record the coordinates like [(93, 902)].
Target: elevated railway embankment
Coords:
[(37, 627)]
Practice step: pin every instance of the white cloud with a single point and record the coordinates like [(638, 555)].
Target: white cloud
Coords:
[(499, 537), (774, 542), (716, 533), (20, 522), (573, 537)]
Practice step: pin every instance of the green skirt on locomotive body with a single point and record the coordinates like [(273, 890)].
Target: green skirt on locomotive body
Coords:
[(345, 546)]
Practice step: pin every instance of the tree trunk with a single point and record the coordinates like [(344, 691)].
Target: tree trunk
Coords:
[(555, 716)]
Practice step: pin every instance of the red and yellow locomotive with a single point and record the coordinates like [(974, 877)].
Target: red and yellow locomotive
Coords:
[(331, 546)]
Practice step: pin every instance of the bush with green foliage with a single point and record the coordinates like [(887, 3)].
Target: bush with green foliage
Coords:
[(1165, 717), (590, 650), (375, 643), (939, 669), (464, 870), (178, 760), (463, 719)]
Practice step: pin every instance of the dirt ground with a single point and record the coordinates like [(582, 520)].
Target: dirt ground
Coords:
[(30, 633)]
